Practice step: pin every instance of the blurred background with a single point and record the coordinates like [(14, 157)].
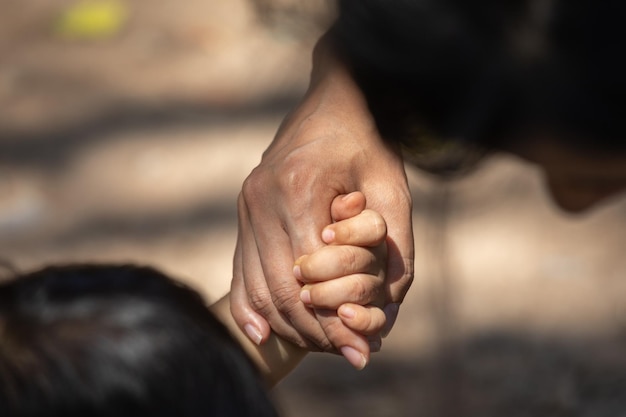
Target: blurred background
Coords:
[(127, 128)]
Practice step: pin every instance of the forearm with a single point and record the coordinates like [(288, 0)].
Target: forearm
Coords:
[(332, 85), (275, 358), (333, 106)]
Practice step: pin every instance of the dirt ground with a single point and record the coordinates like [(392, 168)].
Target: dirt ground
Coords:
[(133, 148)]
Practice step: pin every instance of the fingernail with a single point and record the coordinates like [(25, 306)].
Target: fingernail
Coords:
[(355, 357), (346, 312), (391, 314), (305, 297), (297, 272), (328, 235), (253, 333)]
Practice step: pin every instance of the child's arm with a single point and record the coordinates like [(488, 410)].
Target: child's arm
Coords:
[(341, 279), (275, 358)]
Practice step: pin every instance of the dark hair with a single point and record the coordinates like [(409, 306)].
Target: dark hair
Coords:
[(484, 70), (94, 340)]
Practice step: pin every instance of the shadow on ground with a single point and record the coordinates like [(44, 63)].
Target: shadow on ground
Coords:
[(488, 375)]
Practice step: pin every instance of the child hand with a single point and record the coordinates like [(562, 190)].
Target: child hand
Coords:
[(348, 275)]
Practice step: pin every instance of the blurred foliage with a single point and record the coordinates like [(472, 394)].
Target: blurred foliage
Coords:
[(92, 19)]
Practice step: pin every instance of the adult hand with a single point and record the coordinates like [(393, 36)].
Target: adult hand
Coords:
[(327, 147)]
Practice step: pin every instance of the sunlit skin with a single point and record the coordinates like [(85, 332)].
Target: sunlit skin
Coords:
[(576, 179)]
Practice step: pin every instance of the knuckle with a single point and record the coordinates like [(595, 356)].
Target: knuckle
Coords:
[(294, 175), (379, 320), (309, 266), (363, 290), (409, 274), (323, 297), (285, 299), (407, 279), (254, 185), (401, 279), (238, 312), (348, 259), (405, 284), (343, 233), (335, 330), (380, 227), (370, 321), (261, 302), (378, 224), (365, 322), (326, 344)]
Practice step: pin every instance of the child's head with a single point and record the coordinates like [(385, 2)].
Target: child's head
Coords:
[(118, 341)]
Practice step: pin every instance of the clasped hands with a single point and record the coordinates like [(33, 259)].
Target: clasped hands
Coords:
[(341, 282), (328, 146)]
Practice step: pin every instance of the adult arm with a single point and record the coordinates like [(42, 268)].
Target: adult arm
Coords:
[(327, 146)]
